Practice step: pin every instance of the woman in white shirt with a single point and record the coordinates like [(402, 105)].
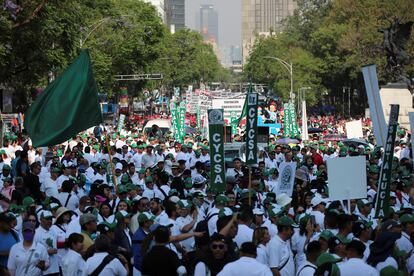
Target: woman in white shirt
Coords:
[(301, 238), (261, 237), (73, 263)]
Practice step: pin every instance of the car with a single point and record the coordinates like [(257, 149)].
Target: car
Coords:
[(163, 124), (357, 142)]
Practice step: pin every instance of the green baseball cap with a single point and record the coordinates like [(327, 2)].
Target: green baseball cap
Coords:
[(327, 258), (184, 204), (6, 167), (390, 271), (145, 216), (287, 221), (225, 212), (148, 179), (122, 214), (275, 210), (407, 218), (27, 201), (326, 235), (221, 199)]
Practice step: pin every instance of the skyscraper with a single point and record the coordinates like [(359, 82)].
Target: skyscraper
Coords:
[(261, 17), (175, 14), (209, 24)]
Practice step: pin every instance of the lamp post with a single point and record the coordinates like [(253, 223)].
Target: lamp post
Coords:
[(289, 67), (94, 26)]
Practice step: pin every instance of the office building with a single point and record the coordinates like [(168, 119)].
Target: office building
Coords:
[(263, 17), (209, 24), (175, 14)]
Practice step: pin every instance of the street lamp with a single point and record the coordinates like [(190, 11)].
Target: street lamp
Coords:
[(289, 67), (95, 26)]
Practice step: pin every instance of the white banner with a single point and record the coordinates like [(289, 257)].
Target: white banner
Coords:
[(411, 116), (229, 106), (354, 129), (347, 178), (305, 135), (286, 179), (375, 104)]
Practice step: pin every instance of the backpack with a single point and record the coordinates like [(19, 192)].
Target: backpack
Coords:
[(202, 226)]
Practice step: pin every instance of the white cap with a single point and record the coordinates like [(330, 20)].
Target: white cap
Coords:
[(283, 200), (258, 212), (118, 166), (316, 200), (174, 199)]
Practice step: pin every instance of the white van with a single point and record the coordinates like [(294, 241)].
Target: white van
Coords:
[(163, 124)]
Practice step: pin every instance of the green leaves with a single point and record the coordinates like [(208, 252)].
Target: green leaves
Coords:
[(328, 42)]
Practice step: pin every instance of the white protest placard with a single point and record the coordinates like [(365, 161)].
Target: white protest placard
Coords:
[(347, 178), (354, 129), (286, 179)]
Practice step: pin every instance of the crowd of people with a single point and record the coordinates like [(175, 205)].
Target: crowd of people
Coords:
[(133, 203)]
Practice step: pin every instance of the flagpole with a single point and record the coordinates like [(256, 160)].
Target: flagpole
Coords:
[(112, 165)]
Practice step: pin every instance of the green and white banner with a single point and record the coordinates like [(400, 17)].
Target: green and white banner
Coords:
[(293, 121), (198, 119), (251, 129), (175, 121), (382, 204), (216, 135), (182, 120), (290, 124), (121, 122), (233, 123)]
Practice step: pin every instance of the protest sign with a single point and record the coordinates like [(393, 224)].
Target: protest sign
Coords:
[(354, 129), (251, 129), (347, 178), (216, 131), (383, 195), (121, 122), (286, 178), (181, 117), (375, 104)]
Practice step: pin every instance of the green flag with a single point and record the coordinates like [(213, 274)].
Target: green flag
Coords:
[(68, 106), (244, 110), (251, 129), (216, 131), (382, 204)]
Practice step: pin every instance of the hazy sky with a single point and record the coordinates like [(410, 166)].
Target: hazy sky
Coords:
[(229, 16)]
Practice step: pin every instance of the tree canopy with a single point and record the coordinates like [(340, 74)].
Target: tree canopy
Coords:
[(39, 38), (328, 41)]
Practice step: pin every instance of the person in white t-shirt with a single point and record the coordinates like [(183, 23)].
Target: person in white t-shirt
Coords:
[(355, 264), (247, 264), (279, 251), (113, 267), (73, 263), (28, 257)]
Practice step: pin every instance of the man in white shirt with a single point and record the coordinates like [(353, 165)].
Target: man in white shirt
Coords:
[(308, 268), (318, 210), (355, 265), (247, 264), (49, 186), (404, 243), (113, 265), (45, 236), (136, 158), (280, 254), (148, 159), (244, 233)]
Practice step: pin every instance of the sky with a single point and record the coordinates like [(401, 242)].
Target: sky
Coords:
[(229, 16)]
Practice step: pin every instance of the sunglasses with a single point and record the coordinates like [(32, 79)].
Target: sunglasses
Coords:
[(220, 246)]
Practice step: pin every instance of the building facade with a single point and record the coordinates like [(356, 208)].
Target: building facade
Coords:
[(175, 14), (209, 23), (263, 17)]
